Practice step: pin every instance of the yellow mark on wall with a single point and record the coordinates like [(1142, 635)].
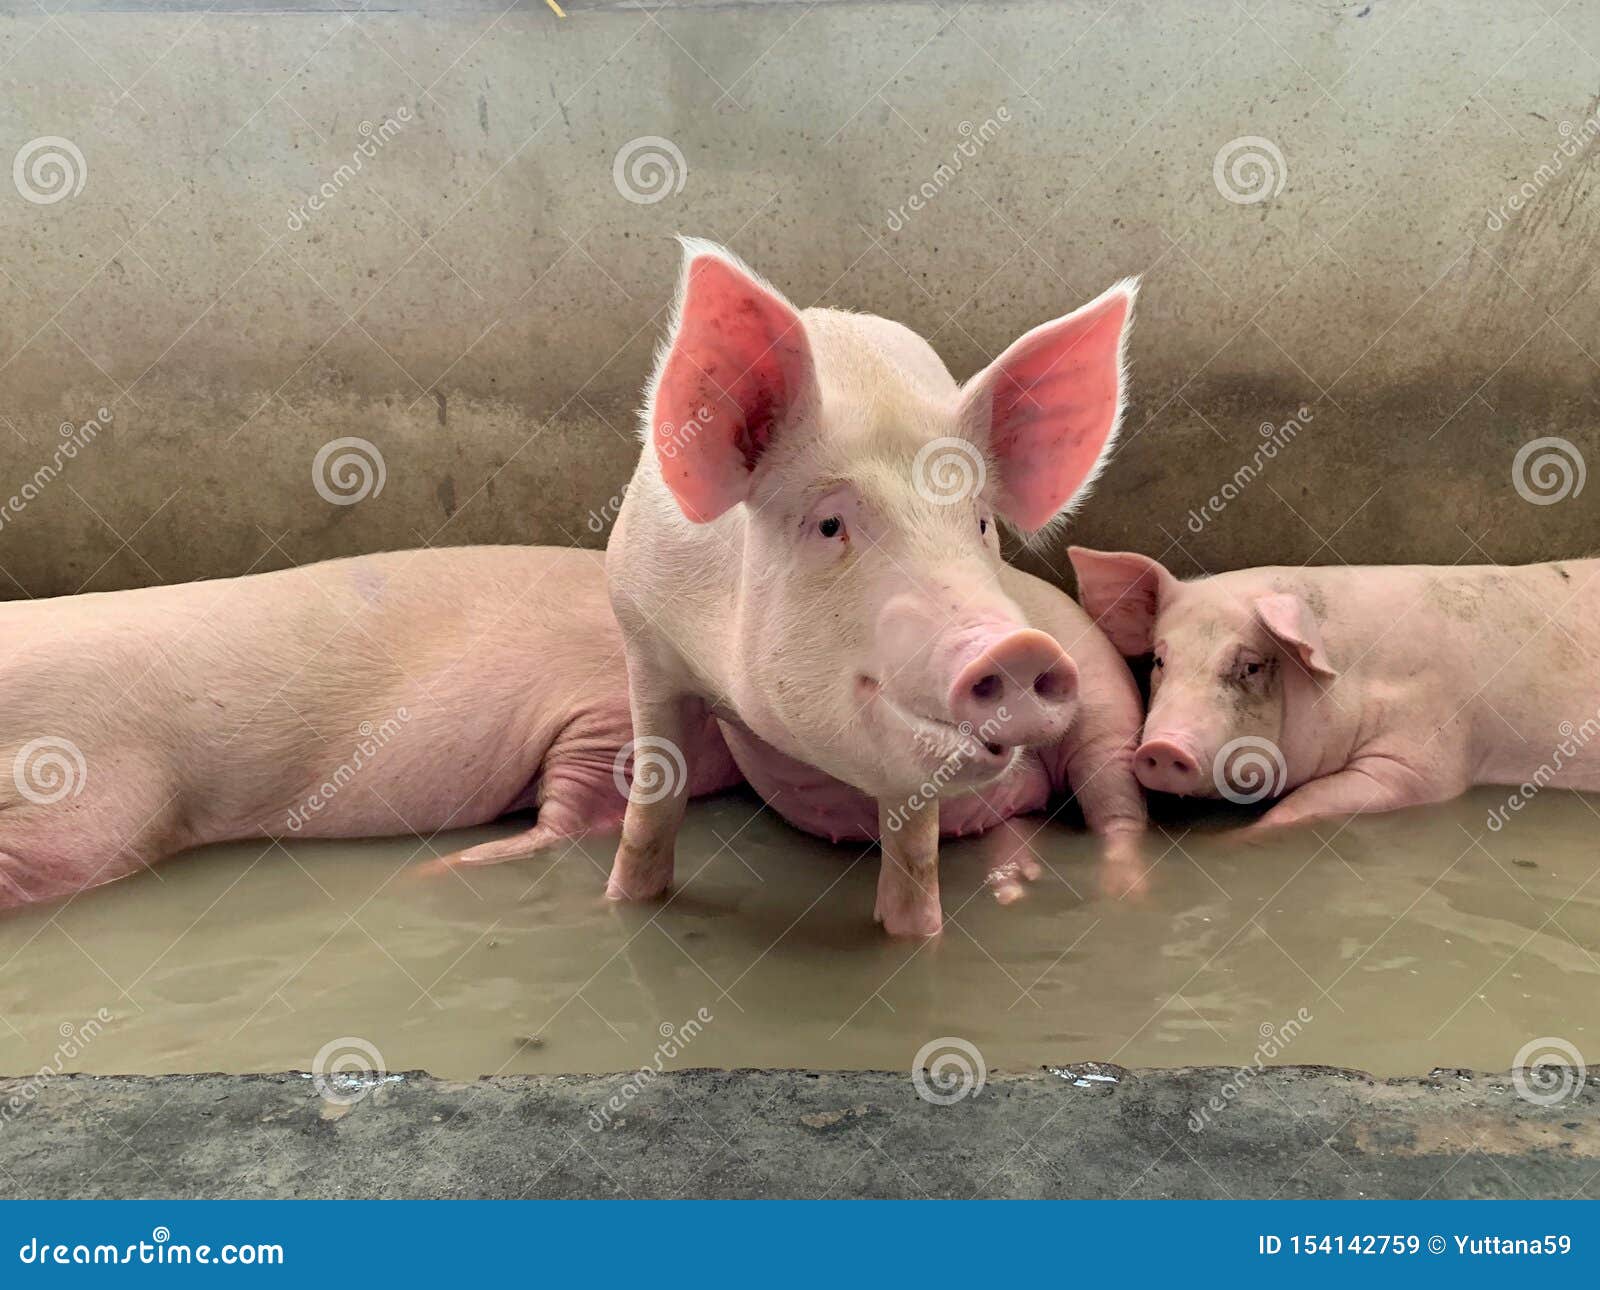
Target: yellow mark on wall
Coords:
[(556, 8)]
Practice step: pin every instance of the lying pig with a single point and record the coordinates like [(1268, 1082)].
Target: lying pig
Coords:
[(399, 693), (808, 550), (1356, 689)]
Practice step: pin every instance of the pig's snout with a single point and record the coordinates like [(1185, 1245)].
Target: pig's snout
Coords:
[(1019, 689), (1166, 766)]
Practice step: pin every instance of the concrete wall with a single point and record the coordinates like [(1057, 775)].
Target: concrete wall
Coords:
[(479, 300)]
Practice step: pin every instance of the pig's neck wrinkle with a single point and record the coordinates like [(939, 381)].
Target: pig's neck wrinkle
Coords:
[(1322, 726)]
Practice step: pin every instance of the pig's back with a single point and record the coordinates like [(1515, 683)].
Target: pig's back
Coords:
[(241, 693)]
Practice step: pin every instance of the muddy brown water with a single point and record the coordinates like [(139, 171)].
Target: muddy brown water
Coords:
[(1393, 943)]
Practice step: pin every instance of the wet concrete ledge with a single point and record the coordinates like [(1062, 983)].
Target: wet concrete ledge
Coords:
[(1083, 1131)]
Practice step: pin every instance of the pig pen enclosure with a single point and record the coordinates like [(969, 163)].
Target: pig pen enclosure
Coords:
[(308, 280)]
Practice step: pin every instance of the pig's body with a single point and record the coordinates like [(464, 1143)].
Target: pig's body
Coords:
[(1094, 761), (808, 551), (1391, 686), (430, 689)]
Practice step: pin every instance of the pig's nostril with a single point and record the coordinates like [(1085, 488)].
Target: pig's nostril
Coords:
[(987, 687), (1047, 685)]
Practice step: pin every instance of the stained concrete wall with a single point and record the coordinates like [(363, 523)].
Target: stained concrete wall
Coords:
[(479, 293)]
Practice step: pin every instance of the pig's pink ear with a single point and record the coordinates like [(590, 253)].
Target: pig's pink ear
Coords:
[(1121, 591), (737, 368), (1292, 623), (1048, 408)]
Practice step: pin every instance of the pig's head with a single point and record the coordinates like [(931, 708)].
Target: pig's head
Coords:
[(1228, 652), (863, 487)]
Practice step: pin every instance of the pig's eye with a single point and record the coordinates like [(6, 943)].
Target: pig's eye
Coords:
[(1160, 662), (830, 527), (983, 527), (1250, 669)]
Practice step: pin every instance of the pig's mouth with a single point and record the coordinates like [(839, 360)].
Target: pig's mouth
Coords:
[(941, 742)]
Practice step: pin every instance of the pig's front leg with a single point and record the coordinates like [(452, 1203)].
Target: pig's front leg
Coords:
[(908, 883), (1364, 786), (663, 731), (1100, 775)]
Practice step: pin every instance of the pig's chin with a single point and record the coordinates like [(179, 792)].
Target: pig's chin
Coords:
[(917, 749)]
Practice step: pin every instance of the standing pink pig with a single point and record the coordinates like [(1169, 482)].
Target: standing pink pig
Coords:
[(808, 550), (398, 693), (1358, 689)]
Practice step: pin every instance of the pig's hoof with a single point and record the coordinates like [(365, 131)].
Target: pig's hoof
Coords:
[(916, 924), (636, 877)]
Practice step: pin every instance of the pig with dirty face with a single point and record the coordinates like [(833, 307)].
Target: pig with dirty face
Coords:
[(1343, 690), (809, 550)]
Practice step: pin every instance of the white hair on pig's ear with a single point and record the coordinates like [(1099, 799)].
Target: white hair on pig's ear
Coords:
[(692, 248), (734, 371), (1049, 410)]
